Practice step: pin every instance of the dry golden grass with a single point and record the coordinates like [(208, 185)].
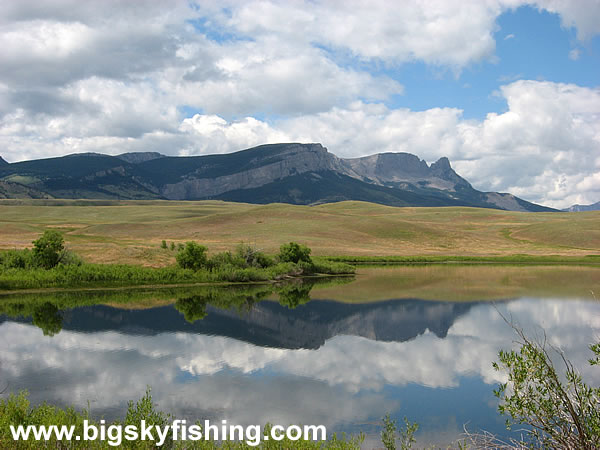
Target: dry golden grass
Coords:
[(131, 232)]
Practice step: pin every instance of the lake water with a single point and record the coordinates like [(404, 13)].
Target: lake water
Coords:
[(410, 341)]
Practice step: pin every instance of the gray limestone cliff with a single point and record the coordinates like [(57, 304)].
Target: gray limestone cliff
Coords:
[(385, 169), (293, 159)]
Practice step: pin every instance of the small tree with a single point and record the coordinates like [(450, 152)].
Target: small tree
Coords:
[(163, 244), (48, 249), (192, 256), (559, 414), (294, 252)]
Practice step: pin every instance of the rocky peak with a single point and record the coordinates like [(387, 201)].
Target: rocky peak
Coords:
[(441, 165), (443, 170), (394, 168), (3, 162)]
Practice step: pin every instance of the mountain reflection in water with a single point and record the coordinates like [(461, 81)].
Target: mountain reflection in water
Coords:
[(342, 365)]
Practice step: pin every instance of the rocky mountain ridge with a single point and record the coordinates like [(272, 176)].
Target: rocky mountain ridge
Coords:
[(290, 173)]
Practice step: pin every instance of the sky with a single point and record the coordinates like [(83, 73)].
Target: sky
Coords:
[(508, 90)]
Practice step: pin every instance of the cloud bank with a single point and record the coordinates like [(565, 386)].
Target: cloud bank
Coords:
[(187, 79)]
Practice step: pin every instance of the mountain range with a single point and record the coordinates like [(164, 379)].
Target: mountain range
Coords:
[(285, 173), (579, 208)]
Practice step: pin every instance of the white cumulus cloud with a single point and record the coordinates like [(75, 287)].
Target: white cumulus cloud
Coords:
[(115, 76)]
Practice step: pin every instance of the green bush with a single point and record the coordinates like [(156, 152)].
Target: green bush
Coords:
[(294, 252), (560, 410), (252, 257), (390, 434), (69, 258), (16, 259), (192, 256), (47, 250), (223, 259)]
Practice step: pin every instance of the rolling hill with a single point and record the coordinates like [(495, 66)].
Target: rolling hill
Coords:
[(304, 174), (131, 231)]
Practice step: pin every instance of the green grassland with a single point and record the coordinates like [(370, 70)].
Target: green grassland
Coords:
[(130, 232)]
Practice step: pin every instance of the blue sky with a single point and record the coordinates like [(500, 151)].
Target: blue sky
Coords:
[(508, 90), (530, 44)]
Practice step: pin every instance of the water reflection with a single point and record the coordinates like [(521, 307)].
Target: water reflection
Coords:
[(247, 358)]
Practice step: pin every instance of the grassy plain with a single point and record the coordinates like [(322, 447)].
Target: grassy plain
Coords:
[(130, 232)]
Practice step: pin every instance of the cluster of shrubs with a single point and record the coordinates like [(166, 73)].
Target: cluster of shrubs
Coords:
[(194, 256), (172, 246), (48, 252)]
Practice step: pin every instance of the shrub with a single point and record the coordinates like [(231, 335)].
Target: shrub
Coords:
[(252, 257), (307, 268), (69, 258), (559, 414), (192, 256), (219, 260), (47, 250), (390, 434), (163, 244), (332, 268), (16, 259), (294, 252)]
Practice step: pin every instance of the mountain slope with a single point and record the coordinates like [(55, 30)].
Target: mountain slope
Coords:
[(289, 173), (85, 175), (15, 190), (329, 186), (579, 208)]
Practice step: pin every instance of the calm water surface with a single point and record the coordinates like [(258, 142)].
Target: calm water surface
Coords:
[(342, 355)]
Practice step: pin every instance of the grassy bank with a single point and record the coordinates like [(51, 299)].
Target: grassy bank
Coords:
[(108, 275), (51, 265)]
